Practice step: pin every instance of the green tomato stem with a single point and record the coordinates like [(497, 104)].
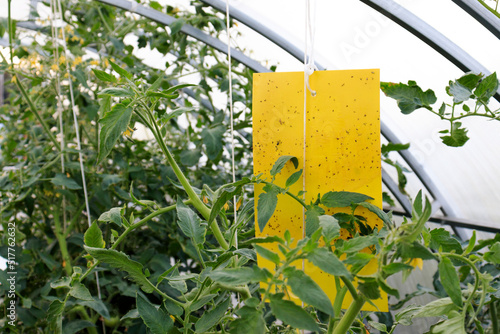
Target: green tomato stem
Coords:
[(196, 201), (35, 112), (83, 313), (9, 22), (350, 287), (349, 316), (337, 305), (63, 246), (242, 290), (494, 316)]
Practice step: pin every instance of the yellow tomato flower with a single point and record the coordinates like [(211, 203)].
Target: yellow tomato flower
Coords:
[(226, 206), (62, 59), (94, 62), (78, 60), (238, 204), (128, 132), (417, 263), (54, 67)]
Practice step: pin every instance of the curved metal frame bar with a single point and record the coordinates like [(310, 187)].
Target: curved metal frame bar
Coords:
[(481, 14), (429, 35), (187, 29), (264, 31)]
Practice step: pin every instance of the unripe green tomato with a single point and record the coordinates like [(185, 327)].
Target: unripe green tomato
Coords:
[(112, 322)]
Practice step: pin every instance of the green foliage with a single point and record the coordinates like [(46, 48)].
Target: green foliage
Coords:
[(251, 321), (341, 199), (328, 262), (281, 162), (121, 261), (449, 275), (65, 181), (307, 290), (470, 86), (409, 97), (93, 237), (190, 223), (101, 75), (238, 276), (172, 236), (212, 138), (114, 123), (292, 314), (212, 317), (113, 216), (154, 317)]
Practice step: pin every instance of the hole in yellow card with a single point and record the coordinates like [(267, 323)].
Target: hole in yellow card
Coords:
[(342, 149)]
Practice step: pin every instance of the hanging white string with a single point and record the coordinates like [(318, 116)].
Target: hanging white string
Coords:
[(309, 64), (59, 108), (77, 130), (309, 68), (230, 101), (75, 118)]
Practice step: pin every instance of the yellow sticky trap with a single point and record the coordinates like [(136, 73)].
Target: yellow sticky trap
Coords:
[(342, 149)]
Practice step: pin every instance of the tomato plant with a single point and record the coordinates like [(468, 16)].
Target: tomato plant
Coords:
[(170, 256)]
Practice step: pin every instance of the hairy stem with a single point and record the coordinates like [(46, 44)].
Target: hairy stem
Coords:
[(337, 305), (350, 287), (63, 246), (349, 316), (32, 107), (196, 201), (494, 316), (83, 314), (242, 290)]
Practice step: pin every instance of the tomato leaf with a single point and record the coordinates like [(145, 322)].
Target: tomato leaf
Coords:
[(308, 291), (450, 280), (114, 123), (93, 237), (103, 76), (281, 162), (157, 319), (292, 314)]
